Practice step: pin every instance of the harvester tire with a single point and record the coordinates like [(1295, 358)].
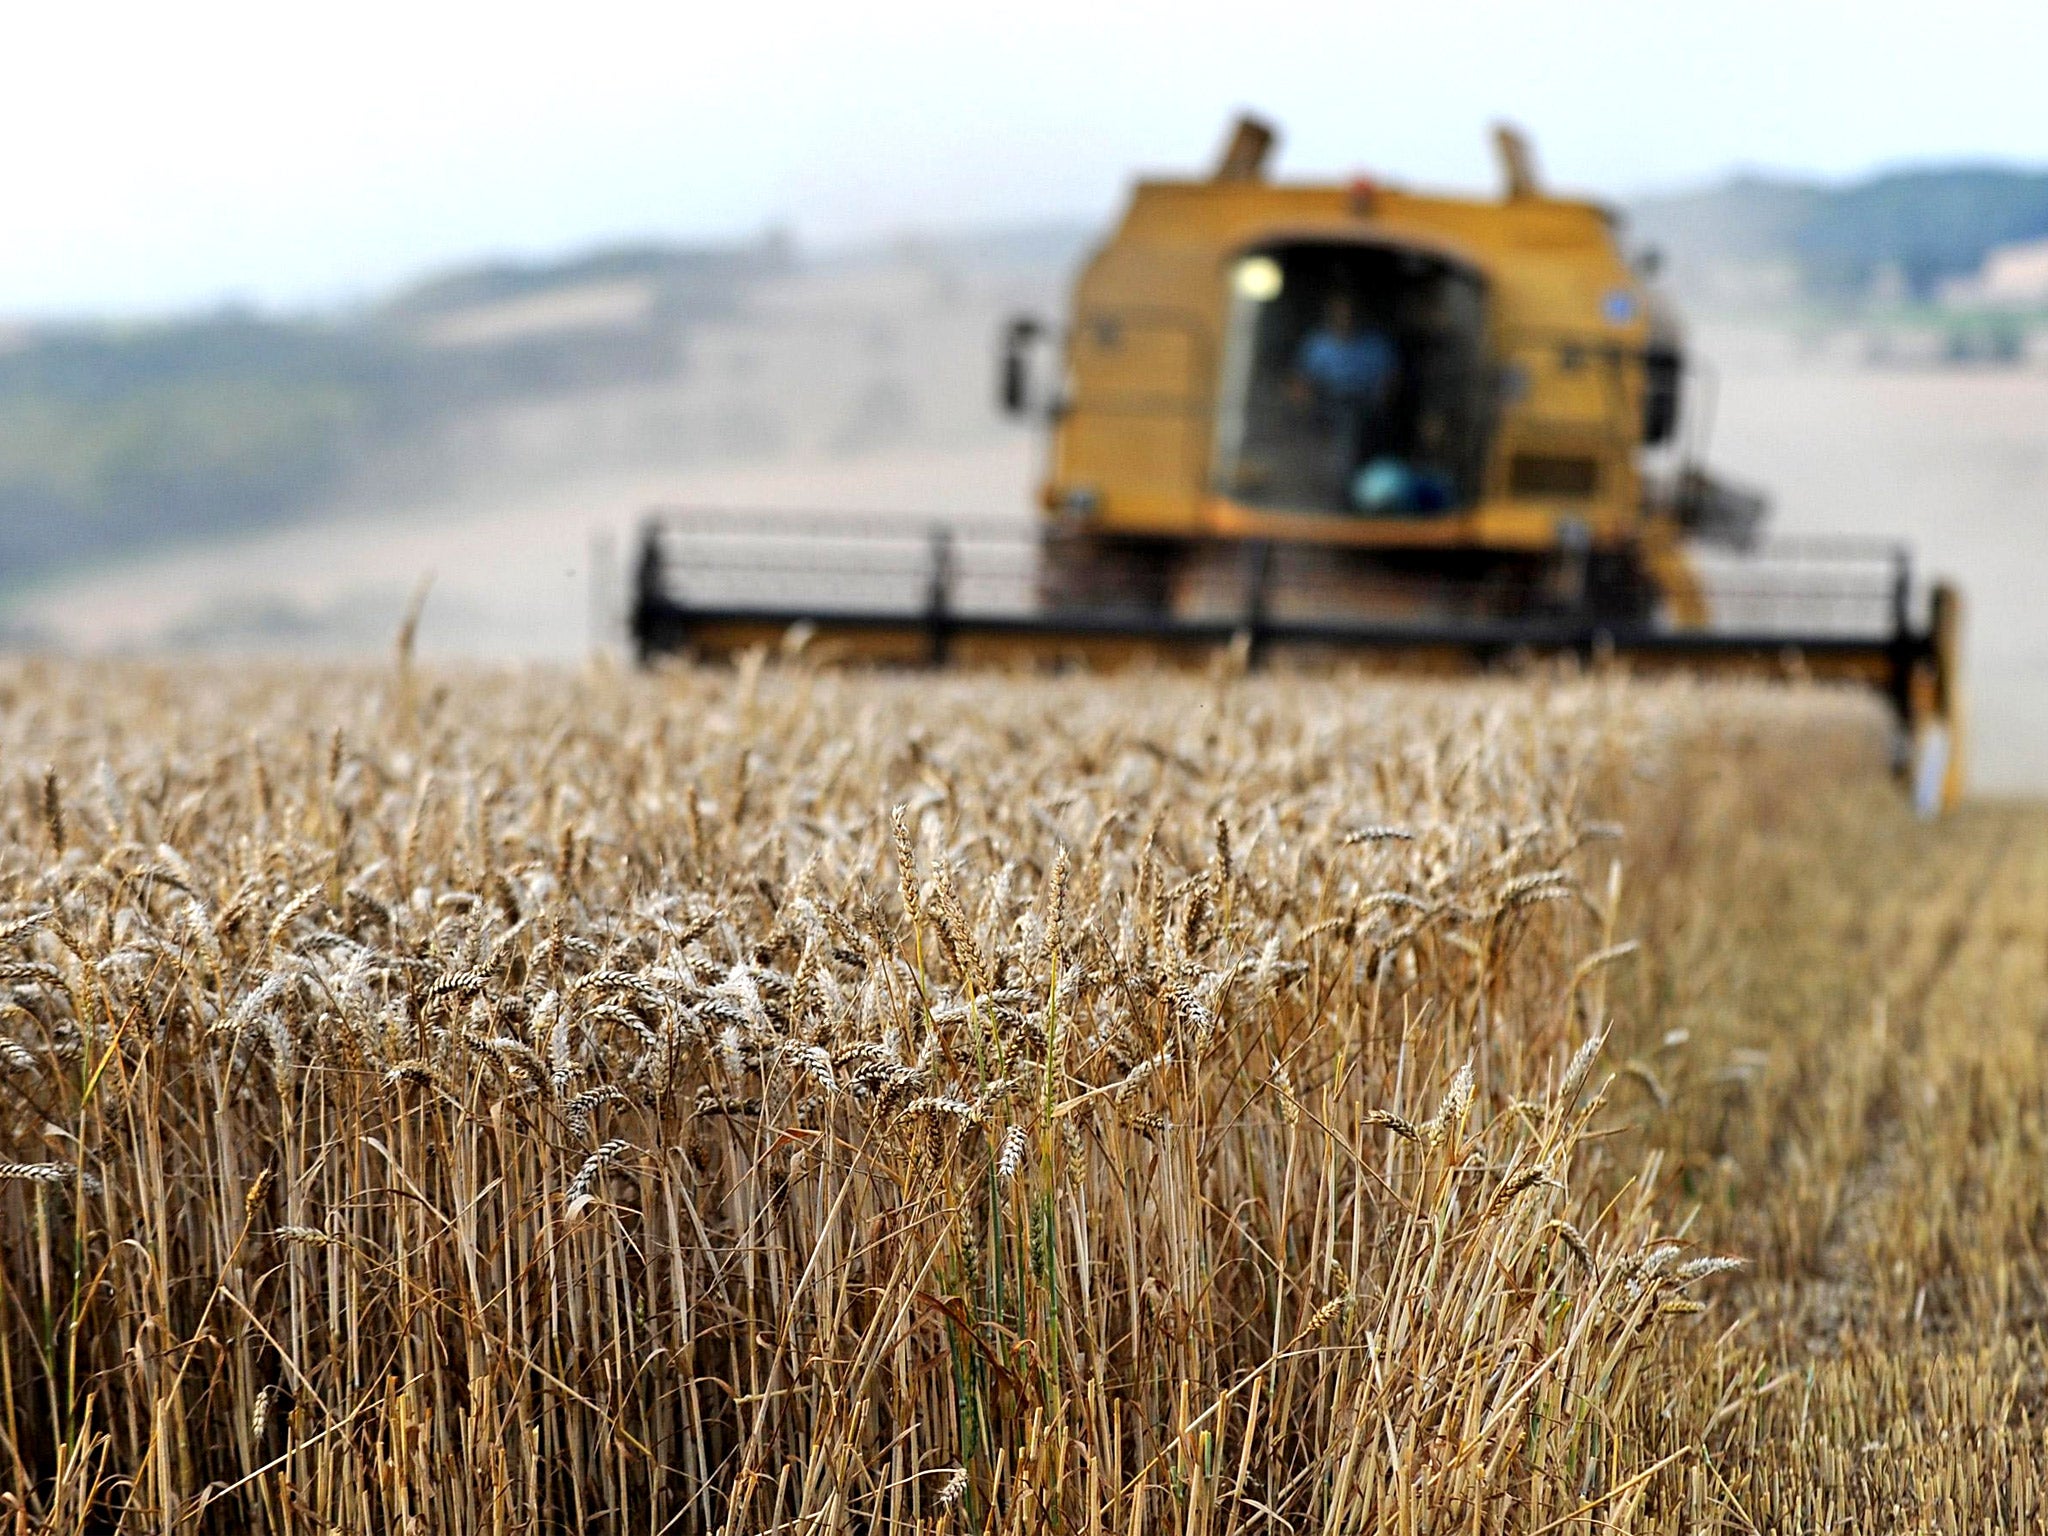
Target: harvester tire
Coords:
[(1090, 573), (1619, 591), (1598, 588)]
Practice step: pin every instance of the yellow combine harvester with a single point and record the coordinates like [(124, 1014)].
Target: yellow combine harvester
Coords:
[(1343, 418)]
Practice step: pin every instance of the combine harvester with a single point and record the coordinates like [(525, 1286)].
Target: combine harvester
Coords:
[(1441, 433)]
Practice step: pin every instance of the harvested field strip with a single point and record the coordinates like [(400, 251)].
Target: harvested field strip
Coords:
[(1866, 1110)]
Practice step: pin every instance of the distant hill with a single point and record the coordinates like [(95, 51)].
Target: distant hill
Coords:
[(114, 437), (1837, 243), (679, 270), (120, 438)]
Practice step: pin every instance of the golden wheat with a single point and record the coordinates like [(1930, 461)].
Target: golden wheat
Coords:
[(1113, 1104)]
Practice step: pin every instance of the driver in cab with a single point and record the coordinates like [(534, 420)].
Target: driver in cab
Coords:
[(1341, 365)]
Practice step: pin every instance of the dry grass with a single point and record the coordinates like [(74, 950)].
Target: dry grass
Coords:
[(461, 1103)]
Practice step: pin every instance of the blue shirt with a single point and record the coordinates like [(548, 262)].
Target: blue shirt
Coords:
[(1354, 367)]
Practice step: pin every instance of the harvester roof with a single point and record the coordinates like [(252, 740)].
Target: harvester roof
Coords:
[(1548, 260)]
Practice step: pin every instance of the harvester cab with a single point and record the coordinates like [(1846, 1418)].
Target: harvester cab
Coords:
[(1442, 404), (1341, 418)]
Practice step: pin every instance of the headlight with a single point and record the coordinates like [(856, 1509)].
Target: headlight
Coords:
[(1257, 278)]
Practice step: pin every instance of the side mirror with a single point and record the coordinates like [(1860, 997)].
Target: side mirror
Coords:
[(1014, 388)]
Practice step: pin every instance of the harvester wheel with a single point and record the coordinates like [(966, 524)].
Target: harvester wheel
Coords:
[(1618, 588), (1089, 573), (1613, 589)]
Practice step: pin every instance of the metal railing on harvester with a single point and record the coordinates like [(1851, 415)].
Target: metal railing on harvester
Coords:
[(925, 591)]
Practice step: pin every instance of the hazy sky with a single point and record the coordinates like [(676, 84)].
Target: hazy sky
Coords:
[(166, 155)]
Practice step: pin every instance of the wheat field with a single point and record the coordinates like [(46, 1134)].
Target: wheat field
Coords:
[(766, 1099)]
